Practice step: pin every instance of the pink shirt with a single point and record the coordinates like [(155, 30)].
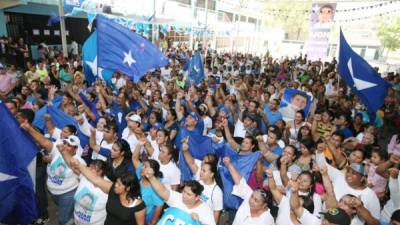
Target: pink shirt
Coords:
[(6, 82), (375, 179), (393, 146)]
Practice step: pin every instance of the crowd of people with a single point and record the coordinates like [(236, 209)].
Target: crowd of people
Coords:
[(332, 165)]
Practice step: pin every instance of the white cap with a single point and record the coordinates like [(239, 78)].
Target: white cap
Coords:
[(73, 140), (135, 118)]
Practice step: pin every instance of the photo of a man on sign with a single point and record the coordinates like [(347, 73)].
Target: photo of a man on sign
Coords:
[(292, 101)]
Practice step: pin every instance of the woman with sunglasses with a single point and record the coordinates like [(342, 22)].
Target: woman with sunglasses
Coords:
[(62, 180), (254, 210)]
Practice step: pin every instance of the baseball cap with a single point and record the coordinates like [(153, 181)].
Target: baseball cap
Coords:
[(157, 126), (358, 167), (135, 118), (73, 140), (337, 216), (195, 116)]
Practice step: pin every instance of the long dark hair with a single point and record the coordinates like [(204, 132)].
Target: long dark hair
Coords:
[(155, 166), (124, 148), (214, 170), (130, 180)]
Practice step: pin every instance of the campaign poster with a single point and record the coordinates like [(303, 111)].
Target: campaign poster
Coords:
[(292, 101), (321, 22)]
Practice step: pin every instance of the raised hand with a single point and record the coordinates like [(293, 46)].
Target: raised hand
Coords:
[(227, 161)]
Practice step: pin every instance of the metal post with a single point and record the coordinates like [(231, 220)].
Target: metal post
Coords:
[(205, 26), (153, 25), (62, 27), (191, 32)]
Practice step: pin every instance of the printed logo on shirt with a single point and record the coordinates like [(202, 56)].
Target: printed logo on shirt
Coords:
[(58, 170), (86, 201), (204, 198)]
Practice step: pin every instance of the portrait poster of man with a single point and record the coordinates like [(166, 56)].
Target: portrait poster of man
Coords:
[(292, 101)]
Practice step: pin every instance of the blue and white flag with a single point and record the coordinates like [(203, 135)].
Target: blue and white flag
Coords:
[(121, 49), (196, 69), (17, 149), (90, 67), (363, 80)]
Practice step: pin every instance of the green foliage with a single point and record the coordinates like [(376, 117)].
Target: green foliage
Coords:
[(291, 17), (389, 32)]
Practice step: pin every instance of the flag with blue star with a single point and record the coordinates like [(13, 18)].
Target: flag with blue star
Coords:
[(121, 49), (363, 80), (90, 66), (196, 68)]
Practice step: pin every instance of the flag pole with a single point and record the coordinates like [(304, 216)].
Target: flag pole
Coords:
[(62, 28)]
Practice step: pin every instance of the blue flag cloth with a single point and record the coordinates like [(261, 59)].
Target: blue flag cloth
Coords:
[(90, 65), (196, 69), (199, 146), (244, 164), (60, 119), (121, 49), (17, 149), (90, 105), (53, 19), (363, 80)]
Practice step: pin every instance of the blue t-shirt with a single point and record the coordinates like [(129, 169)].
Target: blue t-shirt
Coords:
[(345, 131), (149, 196), (272, 116), (276, 150)]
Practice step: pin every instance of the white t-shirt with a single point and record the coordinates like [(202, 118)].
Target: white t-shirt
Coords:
[(207, 124), (309, 219), (155, 147), (284, 212), (60, 178), (90, 204), (212, 196), (130, 138), (394, 202), (243, 216), (239, 131), (171, 173), (341, 188), (204, 212)]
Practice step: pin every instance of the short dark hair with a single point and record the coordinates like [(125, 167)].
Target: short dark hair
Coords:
[(395, 216), (194, 186), (339, 134), (382, 154), (27, 114), (71, 128)]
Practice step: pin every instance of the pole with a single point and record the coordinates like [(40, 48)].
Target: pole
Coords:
[(153, 25), (205, 26), (62, 27), (191, 31)]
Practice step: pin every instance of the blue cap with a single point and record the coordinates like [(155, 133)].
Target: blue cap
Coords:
[(358, 167), (2, 66), (157, 126), (195, 116)]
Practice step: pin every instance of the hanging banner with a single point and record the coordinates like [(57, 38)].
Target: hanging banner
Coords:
[(321, 22)]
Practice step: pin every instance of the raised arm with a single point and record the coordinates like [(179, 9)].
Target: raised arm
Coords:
[(92, 140), (98, 181), (232, 170), (229, 137), (188, 157), (283, 171), (294, 200), (330, 200), (265, 150), (136, 154), (39, 138), (272, 186), (383, 168), (158, 187), (49, 124), (178, 110)]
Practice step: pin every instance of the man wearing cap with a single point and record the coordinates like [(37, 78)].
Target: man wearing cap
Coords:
[(62, 181), (131, 132), (152, 138), (353, 182)]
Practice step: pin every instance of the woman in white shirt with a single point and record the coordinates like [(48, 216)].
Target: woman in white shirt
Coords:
[(254, 209), (206, 173), (188, 201), (90, 200)]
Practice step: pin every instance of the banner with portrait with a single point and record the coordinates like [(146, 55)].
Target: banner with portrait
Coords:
[(292, 101), (321, 22)]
